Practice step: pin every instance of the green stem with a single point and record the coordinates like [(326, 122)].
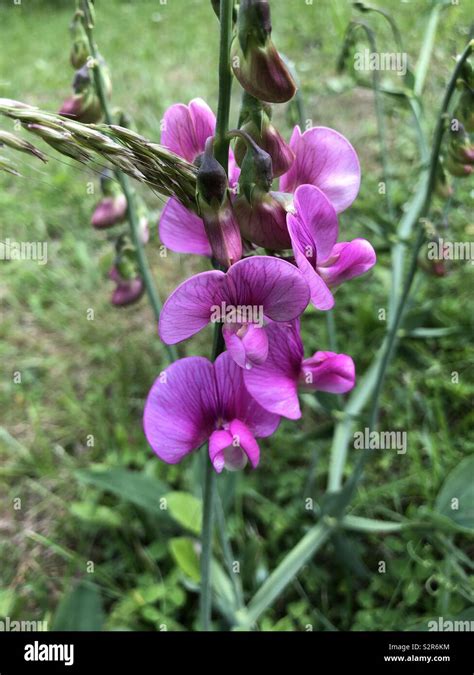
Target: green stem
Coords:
[(125, 185), (392, 334), (221, 149), (225, 84)]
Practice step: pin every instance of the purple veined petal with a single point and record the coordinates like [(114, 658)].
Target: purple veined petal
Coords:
[(186, 128), (330, 372), (188, 309), (320, 219), (274, 384), (347, 260), (242, 434), (321, 296), (180, 410), (247, 344), (235, 401), (183, 231), (272, 284), (324, 158), (204, 121)]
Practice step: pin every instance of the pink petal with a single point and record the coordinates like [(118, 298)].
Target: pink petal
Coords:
[(326, 159), (319, 217), (236, 402), (264, 221), (241, 433), (272, 284), (248, 345), (348, 259), (218, 442), (327, 371), (186, 128), (183, 231), (274, 384), (181, 408), (303, 247), (188, 309)]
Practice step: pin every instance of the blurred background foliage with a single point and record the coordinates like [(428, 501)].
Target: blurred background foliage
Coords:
[(79, 406)]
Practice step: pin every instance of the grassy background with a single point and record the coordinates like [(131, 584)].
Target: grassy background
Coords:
[(83, 378)]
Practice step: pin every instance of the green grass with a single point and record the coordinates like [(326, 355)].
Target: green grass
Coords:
[(85, 378)]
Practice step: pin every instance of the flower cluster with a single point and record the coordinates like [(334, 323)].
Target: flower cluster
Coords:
[(258, 296)]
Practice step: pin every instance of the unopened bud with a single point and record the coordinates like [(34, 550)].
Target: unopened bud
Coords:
[(216, 210), (255, 60), (262, 220), (127, 291), (80, 45)]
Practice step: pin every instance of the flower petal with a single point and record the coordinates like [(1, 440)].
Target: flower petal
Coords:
[(321, 296), (241, 433), (188, 309), (235, 401), (320, 219), (274, 384), (181, 408), (247, 349), (186, 128), (218, 442), (273, 284), (348, 259), (183, 231), (324, 158), (327, 371)]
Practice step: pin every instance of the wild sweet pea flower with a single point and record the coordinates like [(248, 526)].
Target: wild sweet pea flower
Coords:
[(244, 298), (313, 229), (326, 159), (275, 383), (195, 400), (185, 131)]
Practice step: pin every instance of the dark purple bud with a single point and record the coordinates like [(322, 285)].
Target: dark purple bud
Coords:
[(127, 291), (109, 212)]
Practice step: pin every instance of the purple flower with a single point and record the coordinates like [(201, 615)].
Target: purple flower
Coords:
[(326, 159), (186, 129), (244, 298), (313, 229), (195, 400), (275, 383)]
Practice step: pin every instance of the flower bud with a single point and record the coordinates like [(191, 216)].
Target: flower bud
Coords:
[(257, 167), (80, 44), (83, 108), (127, 291), (216, 210), (263, 219), (255, 120), (460, 145), (255, 60), (457, 168), (109, 212), (442, 186)]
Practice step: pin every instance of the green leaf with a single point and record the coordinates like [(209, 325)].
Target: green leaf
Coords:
[(186, 510), (286, 571), (81, 609), (456, 498), (95, 514), (359, 524), (137, 488), (184, 553)]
